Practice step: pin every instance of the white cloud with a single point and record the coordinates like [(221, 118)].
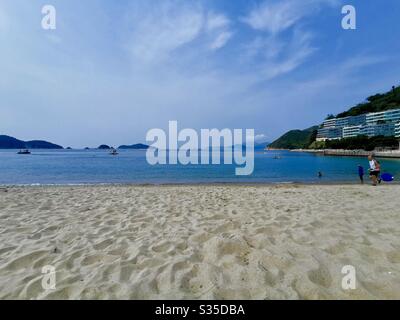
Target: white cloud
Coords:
[(277, 56), (218, 26), (160, 29), (259, 138), (273, 17), (278, 52), (294, 54), (276, 17), (216, 21), (221, 40), (265, 47)]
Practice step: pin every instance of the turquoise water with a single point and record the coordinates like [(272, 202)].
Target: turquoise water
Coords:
[(130, 166)]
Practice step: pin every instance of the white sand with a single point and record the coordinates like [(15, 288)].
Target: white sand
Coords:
[(209, 242)]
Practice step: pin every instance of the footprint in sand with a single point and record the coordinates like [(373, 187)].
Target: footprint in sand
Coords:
[(103, 244), (393, 256), (162, 247), (6, 249), (320, 276), (25, 261)]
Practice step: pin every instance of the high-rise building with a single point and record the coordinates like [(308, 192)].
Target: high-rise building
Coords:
[(375, 117), (329, 123), (353, 131), (329, 134), (373, 130), (397, 130), (392, 115), (385, 123), (357, 120)]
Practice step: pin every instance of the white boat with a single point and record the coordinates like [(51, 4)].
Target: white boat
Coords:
[(114, 152), (24, 151)]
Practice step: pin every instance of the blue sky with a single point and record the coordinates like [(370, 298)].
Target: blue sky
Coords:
[(112, 70)]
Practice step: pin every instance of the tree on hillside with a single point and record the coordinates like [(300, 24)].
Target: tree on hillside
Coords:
[(376, 103)]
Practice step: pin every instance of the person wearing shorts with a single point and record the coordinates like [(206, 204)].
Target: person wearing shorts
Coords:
[(374, 170)]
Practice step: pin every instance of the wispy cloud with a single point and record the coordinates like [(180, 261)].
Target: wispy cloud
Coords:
[(216, 21), (279, 54), (274, 17), (158, 30), (277, 16), (218, 25), (162, 28), (221, 40), (291, 56)]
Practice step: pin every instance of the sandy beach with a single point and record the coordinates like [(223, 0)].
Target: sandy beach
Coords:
[(200, 242)]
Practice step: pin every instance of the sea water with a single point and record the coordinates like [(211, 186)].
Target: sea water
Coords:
[(130, 166)]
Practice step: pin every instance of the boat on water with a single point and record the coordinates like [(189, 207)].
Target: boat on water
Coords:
[(114, 152), (24, 151)]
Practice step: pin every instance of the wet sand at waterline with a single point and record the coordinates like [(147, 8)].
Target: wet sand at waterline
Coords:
[(200, 242)]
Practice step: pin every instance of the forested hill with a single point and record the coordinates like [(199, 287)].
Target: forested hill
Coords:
[(375, 103), (295, 139)]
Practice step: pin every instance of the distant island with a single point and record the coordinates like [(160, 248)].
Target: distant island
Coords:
[(7, 142), (138, 146), (104, 147), (310, 139)]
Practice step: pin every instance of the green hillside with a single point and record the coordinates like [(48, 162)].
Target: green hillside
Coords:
[(376, 103), (295, 139), (301, 139)]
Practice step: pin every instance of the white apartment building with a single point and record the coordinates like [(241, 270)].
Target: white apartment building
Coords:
[(330, 123), (353, 131), (385, 123), (392, 115), (374, 117), (397, 130), (388, 116)]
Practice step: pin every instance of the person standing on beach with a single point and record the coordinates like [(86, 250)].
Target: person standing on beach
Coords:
[(361, 173), (374, 170)]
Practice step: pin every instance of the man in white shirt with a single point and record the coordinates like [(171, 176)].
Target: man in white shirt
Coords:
[(374, 170)]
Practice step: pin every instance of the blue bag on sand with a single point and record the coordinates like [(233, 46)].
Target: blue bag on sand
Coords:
[(387, 177)]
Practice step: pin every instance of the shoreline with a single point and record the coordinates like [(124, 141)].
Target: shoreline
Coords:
[(395, 154), (200, 184)]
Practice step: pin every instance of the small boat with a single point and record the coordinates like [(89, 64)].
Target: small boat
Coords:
[(114, 152), (25, 151)]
